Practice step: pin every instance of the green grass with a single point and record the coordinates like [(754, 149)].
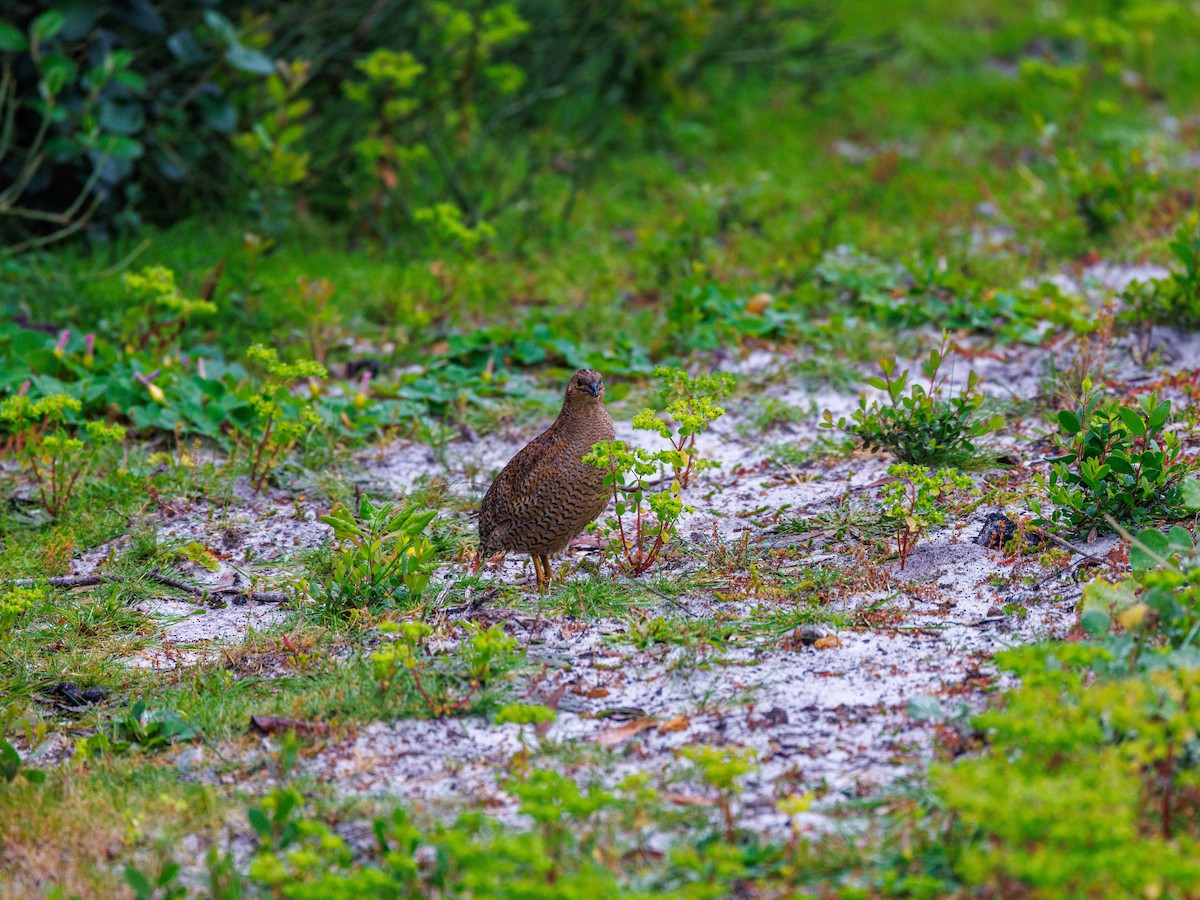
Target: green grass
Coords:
[(764, 192)]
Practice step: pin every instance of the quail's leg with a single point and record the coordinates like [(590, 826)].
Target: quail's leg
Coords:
[(537, 568), (546, 568)]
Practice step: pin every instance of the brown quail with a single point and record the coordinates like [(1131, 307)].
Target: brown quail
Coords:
[(546, 494)]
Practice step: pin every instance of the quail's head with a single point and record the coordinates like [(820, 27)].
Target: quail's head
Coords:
[(585, 386)]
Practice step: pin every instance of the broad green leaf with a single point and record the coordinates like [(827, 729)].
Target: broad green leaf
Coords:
[(1133, 421), (119, 146), (1068, 422), (57, 72), (1103, 596), (10, 761), (1119, 463), (1191, 495), (1095, 622), (140, 884), (1148, 549), (1179, 539), (247, 60), (222, 26), (259, 822), (121, 118)]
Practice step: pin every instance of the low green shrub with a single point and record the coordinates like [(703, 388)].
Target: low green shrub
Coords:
[(16, 601), (722, 770), (916, 499), (1088, 786), (1175, 300), (383, 560), (1115, 462), (1090, 781), (281, 417), (446, 682), (54, 458), (925, 426)]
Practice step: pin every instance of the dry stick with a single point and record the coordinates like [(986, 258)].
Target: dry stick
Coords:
[(74, 581), (1066, 545)]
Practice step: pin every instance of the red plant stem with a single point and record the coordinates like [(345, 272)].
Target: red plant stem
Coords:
[(262, 445), (621, 525), (70, 487), (638, 530), (421, 690)]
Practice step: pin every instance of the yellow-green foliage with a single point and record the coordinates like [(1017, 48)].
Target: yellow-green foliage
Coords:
[(644, 520), (158, 310), (23, 413), (14, 602), (52, 456), (281, 418), (918, 498), (1089, 786), (446, 682)]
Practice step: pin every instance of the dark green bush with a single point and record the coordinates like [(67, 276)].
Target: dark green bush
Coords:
[(932, 426), (117, 110), (416, 116), (1114, 462)]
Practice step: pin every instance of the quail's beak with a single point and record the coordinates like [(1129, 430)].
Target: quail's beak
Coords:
[(593, 389)]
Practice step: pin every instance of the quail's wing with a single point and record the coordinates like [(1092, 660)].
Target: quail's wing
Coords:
[(535, 494)]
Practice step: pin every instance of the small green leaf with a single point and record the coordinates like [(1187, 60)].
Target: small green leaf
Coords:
[(10, 761), (1104, 596), (57, 72), (140, 884), (47, 25), (121, 118), (11, 39), (1068, 422), (1119, 463), (1159, 416), (118, 146), (258, 821), (247, 60)]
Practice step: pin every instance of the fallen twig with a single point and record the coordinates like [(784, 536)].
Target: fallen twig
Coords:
[(1066, 545), (239, 595)]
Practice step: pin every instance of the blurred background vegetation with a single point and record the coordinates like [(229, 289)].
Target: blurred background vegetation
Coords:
[(410, 119), (532, 182)]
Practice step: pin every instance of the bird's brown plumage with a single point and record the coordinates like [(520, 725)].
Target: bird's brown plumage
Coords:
[(546, 494)]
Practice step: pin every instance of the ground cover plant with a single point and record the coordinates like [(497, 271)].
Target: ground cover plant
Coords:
[(895, 308), (921, 426)]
